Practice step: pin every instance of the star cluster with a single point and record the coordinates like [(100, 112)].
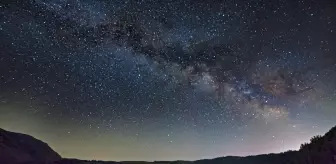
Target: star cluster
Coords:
[(167, 80)]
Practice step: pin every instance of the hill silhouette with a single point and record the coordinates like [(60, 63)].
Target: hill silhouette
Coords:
[(15, 146)]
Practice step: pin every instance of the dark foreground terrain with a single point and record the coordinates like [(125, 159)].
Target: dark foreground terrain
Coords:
[(18, 148)]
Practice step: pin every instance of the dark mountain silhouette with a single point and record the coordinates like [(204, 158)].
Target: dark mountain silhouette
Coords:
[(16, 148)]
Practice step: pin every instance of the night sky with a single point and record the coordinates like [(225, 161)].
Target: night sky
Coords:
[(169, 80)]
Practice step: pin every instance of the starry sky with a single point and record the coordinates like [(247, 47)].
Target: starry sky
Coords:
[(168, 80)]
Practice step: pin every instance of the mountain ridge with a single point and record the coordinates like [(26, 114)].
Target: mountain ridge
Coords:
[(21, 148), (320, 150)]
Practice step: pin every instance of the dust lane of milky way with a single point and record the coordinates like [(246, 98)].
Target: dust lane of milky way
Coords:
[(167, 80)]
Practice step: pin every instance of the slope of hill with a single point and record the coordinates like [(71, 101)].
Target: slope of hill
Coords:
[(18, 148), (320, 150)]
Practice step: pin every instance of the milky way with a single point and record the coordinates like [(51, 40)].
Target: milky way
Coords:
[(167, 80)]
